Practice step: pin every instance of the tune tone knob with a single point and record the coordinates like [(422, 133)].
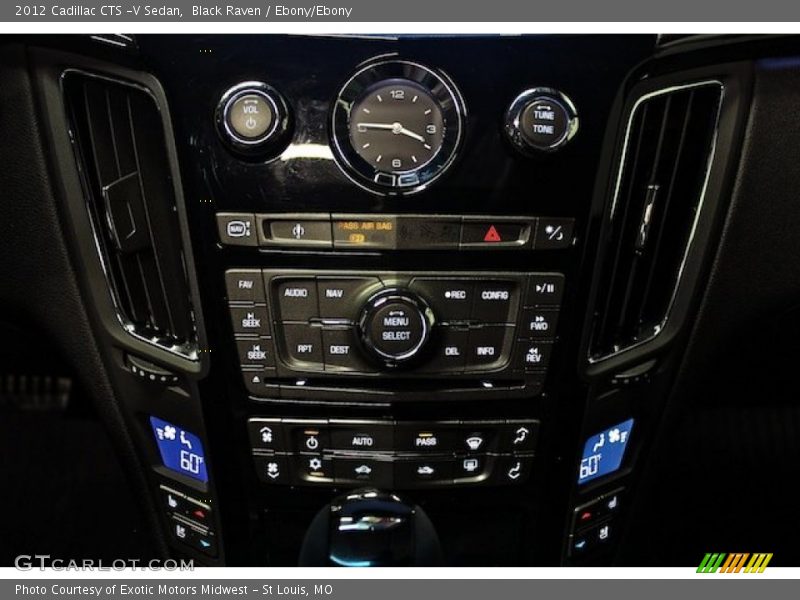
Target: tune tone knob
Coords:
[(541, 120), (253, 119), (395, 325)]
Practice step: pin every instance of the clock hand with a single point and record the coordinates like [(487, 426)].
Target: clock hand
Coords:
[(396, 128), (389, 126), (411, 134)]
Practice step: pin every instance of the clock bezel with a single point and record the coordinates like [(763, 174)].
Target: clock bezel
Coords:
[(364, 174)]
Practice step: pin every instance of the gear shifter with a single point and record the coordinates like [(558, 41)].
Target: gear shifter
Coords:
[(371, 528)]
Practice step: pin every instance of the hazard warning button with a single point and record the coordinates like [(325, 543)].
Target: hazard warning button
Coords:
[(496, 234)]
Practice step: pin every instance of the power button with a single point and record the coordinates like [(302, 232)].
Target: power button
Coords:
[(253, 118)]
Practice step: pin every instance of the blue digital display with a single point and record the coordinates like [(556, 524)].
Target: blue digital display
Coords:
[(180, 450), (604, 451)]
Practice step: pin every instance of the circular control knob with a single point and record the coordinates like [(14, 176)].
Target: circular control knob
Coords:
[(541, 120), (395, 324), (253, 118)]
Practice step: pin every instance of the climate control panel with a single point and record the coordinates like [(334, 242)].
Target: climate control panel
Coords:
[(291, 323), (392, 454)]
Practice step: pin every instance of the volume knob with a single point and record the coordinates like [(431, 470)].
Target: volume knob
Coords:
[(395, 325)]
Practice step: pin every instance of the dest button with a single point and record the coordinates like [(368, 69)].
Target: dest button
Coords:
[(340, 351)]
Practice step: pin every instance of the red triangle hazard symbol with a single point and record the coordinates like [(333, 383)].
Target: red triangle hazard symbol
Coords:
[(492, 235)]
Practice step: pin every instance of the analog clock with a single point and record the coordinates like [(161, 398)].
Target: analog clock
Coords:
[(397, 126)]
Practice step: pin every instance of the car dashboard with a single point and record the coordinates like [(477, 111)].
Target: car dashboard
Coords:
[(518, 283)]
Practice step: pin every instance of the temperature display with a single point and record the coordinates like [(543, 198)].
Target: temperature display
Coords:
[(180, 450), (604, 451)]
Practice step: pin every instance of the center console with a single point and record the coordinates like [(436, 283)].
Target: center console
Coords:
[(447, 267)]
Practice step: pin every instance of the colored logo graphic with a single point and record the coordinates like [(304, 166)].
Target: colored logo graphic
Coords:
[(740, 562)]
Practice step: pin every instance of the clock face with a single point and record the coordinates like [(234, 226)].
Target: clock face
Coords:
[(397, 126)]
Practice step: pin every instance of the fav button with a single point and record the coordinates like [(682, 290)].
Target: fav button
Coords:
[(245, 285)]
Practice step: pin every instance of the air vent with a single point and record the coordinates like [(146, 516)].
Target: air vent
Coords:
[(118, 134), (667, 154)]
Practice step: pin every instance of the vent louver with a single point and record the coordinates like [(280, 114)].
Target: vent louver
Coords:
[(118, 134), (668, 149)]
